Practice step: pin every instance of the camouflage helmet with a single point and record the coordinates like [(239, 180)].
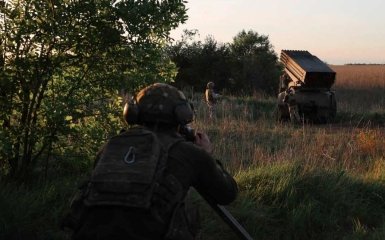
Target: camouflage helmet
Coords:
[(210, 85), (159, 103)]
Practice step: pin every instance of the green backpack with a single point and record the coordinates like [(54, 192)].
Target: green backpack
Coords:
[(129, 170)]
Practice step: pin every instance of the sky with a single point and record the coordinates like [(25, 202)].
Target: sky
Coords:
[(336, 31)]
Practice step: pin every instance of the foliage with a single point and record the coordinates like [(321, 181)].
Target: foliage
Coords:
[(256, 62), (199, 62), (247, 65), (64, 64)]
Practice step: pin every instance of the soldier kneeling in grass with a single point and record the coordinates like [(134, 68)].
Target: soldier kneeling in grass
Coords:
[(139, 186)]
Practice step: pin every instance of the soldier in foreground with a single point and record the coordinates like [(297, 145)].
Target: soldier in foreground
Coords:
[(126, 198), (211, 99)]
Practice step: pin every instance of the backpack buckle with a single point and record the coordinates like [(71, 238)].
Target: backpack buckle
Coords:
[(129, 158)]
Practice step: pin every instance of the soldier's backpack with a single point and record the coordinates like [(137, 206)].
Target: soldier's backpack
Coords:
[(129, 170), (129, 173)]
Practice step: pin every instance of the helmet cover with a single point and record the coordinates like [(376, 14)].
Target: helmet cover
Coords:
[(164, 103)]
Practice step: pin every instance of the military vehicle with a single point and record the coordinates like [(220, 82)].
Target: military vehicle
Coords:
[(305, 93)]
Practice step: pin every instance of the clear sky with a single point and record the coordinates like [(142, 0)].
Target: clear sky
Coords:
[(336, 31)]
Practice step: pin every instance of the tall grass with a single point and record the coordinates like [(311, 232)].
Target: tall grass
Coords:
[(307, 181), (360, 92), (298, 182), (246, 135), (34, 211)]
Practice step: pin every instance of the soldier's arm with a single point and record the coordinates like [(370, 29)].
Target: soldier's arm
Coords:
[(217, 95), (213, 180)]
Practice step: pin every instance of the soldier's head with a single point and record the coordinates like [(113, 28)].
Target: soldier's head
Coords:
[(210, 85), (159, 103)]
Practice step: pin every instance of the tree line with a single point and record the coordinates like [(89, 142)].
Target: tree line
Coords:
[(246, 65)]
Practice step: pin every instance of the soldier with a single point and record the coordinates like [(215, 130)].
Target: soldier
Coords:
[(164, 110), (211, 99), (292, 105), (284, 82)]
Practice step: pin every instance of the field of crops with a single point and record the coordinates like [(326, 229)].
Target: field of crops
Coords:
[(360, 76), (360, 90)]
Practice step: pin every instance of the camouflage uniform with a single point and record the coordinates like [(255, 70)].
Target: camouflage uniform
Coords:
[(188, 164), (284, 82), (293, 111), (292, 106), (211, 99)]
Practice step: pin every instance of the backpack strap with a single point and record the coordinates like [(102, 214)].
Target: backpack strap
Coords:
[(168, 141), (169, 194)]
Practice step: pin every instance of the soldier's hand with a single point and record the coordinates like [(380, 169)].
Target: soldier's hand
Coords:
[(202, 140)]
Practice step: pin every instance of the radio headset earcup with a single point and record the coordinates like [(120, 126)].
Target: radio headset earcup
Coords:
[(131, 112), (184, 113)]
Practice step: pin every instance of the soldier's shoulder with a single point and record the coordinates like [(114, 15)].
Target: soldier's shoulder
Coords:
[(188, 147), (191, 151)]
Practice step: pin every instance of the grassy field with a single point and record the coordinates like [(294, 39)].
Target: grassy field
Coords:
[(296, 182), (309, 181)]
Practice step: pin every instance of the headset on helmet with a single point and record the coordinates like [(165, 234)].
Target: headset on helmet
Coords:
[(159, 103), (131, 111)]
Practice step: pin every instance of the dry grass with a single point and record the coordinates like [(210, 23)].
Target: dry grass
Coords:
[(246, 134), (290, 176), (360, 76), (360, 90), (247, 144)]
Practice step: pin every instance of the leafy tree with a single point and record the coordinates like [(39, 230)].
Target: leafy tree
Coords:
[(215, 61), (183, 53), (63, 64), (255, 62), (200, 62)]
